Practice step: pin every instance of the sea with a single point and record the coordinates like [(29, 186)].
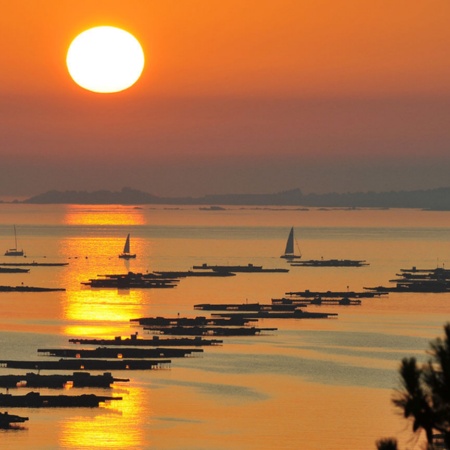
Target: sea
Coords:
[(309, 384)]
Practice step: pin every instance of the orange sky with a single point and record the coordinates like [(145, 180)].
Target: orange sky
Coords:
[(235, 97)]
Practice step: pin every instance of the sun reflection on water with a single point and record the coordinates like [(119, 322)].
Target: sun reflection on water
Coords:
[(120, 423), (103, 215)]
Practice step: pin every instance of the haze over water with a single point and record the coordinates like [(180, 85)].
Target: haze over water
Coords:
[(311, 384)]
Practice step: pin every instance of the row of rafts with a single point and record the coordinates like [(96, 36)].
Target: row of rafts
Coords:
[(411, 280), (171, 338)]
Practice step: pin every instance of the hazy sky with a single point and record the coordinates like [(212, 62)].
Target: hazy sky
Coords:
[(236, 96)]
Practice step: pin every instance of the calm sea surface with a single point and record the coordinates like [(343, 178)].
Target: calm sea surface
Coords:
[(312, 384)]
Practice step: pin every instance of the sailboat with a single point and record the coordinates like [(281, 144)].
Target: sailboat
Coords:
[(126, 250), (289, 251), (14, 251)]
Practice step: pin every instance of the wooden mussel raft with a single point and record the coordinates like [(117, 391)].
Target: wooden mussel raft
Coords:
[(334, 294), (34, 264), (8, 420), (132, 280), (244, 307), (189, 321), (418, 280), (36, 400), (13, 270), (249, 268), (330, 263), (296, 314), (193, 273), (76, 380), (107, 352), (154, 341), (209, 331), (23, 288), (87, 364), (298, 302)]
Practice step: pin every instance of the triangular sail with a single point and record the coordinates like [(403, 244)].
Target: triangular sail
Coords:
[(126, 248), (290, 243)]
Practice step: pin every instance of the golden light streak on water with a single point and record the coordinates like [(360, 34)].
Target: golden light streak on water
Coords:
[(103, 215), (119, 424)]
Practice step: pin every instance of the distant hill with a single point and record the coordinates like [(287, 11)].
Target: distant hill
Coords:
[(433, 199)]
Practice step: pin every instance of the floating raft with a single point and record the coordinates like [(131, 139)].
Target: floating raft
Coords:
[(191, 273), (209, 331), (297, 302), (418, 280), (297, 314), (430, 286), (87, 364), (155, 341), (131, 281), (6, 420), (13, 270), (34, 264), (36, 400), (330, 263), (249, 268), (189, 321), (245, 307), (107, 352), (28, 289), (76, 380), (333, 294)]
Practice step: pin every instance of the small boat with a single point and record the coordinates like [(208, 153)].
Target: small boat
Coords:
[(289, 252), (14, 251), (126, 250), (6, 420)]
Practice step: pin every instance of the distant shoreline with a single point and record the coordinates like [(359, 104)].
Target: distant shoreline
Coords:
[(432, 199)]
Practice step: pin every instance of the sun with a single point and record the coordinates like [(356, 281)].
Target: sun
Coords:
[(105, 59)]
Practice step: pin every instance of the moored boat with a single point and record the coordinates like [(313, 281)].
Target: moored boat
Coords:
[(6, 419), (14, 251)]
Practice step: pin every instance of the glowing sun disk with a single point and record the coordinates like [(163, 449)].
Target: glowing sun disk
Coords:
[(105, 59)]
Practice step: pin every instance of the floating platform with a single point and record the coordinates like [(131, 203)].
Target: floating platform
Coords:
[(249, 268), (245, 307), (297, 314), (8, 420), (87, 364), (36, 400), (108, 352), (189, 321), (334, 294), (413, 286), (300, 302), (34, 264), (28, 289), (76, 380), (155, 341), (191, 273), (209, 331), (330, 263), (418, 280), (131, 281), (13, 270)]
